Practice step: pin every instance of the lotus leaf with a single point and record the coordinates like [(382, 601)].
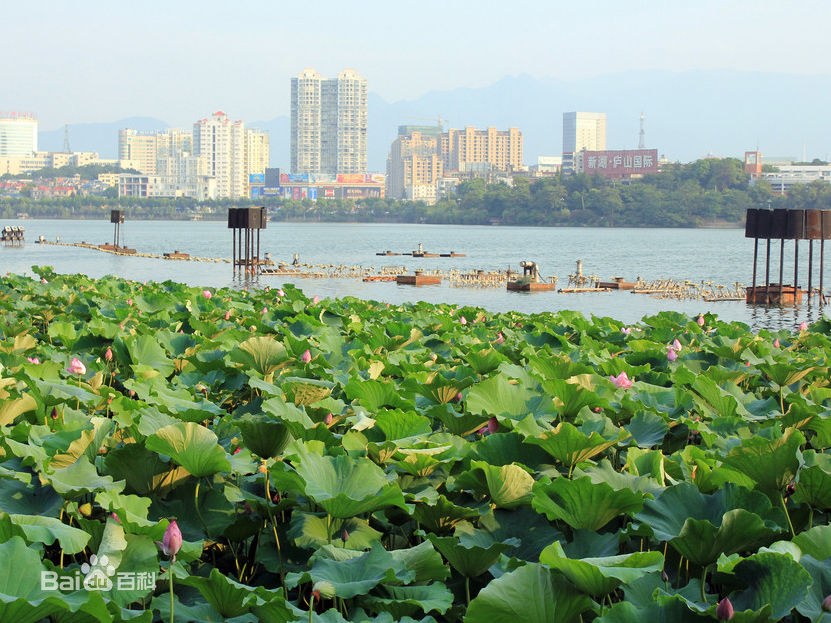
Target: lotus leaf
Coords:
[(583, 504), (192, 446)]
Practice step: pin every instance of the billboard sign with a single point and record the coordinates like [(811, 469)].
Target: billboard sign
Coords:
[(618, 162), (256, 178)]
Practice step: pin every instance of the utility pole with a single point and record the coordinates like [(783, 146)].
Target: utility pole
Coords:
[(642, 136), (66, 148)]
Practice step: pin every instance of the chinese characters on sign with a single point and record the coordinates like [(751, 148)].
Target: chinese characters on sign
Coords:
[(618, 163)]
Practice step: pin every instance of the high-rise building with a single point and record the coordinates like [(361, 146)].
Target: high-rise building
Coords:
[(256, 152), (220, 144), (18, 135), (582, 130), (137, 149), (469, 149), (414, 160), (328, 123)]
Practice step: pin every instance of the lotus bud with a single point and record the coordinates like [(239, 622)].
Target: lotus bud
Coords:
[(625, 330), (238, 450), (280, 293), (493, 425), (276, 497), (43, 280), (672, 355), (676, 345), (329, 419), (108, 354), (248, 509), (132, 393), (463, 320), (664, 576), (826, 604), (323, 590), (803, 326), (458, 397), (776, 342), (54, 413), (129, 301), (306, 357), (228, 315), (598, 409), (265, 310), (171, 541), (115, 518), (433, 356), (206, 294), (499, 338), (724, 610), (344, 535), (76, 367), (315, 300)]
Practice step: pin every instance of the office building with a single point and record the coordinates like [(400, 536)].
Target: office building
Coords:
[(18, 135), (137, 149), (328, 123), (582, 130)]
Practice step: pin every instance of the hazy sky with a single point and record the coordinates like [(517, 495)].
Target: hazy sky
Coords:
[(88, 61)]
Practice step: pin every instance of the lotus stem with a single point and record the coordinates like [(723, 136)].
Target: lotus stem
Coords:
[(785, 508), (311, 607), (274, 529), (810, 517), (196, 504), (170, 579), (703, 585), (467, 589)]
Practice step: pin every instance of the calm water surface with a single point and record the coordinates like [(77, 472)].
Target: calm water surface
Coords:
[(721, 256)]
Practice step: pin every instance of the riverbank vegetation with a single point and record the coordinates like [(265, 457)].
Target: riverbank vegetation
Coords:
[(711, 192), (173, 453)]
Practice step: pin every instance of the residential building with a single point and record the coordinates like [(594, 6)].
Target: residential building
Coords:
[(139, 149), (47, 159), (18, 135), (467, 150), (414, 159), (328, 123), (256, 151), (582, 130), (220, 144), (787, 176)]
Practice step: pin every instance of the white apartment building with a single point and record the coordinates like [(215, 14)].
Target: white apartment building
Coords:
[(328, 123), (582, 130), (220, 144), (18, 135)]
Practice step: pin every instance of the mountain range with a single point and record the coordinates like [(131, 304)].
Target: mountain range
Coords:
[(688, 115)]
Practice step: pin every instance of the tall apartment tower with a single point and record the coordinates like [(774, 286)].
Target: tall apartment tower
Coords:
[(328, 123), (18, 135), (582, 130), (256, 151), (414, 161), (220, 144)]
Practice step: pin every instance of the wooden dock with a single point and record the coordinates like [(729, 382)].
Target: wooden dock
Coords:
[(418, 280)]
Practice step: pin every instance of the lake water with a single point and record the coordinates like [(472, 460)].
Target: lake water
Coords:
[(722, 256)]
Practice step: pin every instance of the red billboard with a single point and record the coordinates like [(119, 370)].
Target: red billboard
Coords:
[(618, 162)]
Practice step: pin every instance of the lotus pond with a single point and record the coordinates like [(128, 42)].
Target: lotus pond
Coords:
[(344, 460)]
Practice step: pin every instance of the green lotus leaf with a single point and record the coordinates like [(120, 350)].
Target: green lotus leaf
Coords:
[(262, 353), (346, 486), (485, 360), (309, 531), (471, 552), (442, 390), (355, 576), (771, 463), (443, 515), (647, 429), (774, 580), (47, 530), (131, 509), (424, 561), (815, 542), (820, 572), (531, 593), (192, 446), (144, 471), (570, 397), (813, 488), (600, 576), (497, 396), (783, 374), (375, 395), (11, 409), (583, 504), (21, 596), (532, 529), (702, 527), (145, 350), (79, 478), (265, 437), (569, 445), (402, 424), (401, 601), (506, 448), (229, 598), (508, 486)]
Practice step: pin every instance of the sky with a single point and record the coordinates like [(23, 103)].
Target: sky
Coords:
[(92, 61)]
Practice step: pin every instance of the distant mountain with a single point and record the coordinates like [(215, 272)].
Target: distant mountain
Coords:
[(100, 137), (689, 115)]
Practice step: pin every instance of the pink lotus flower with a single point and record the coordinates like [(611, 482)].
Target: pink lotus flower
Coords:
[(171, 542), (746, 364), (625, 330), (265, 310), (803, 326), (306, 357), (499, 338), (129, 301), (108, 354), (676, 345), (621, 381), (315, 300), (33, 360), (228, 315), (700, 321), (493, 425), (76, 367), (238, 450), (43, 281), (672, 355), (206, 294), (776, 342), (329, 419), (121, 326), (463, 320), (280, 292), (115, 518), (724, 610), (826, 604)]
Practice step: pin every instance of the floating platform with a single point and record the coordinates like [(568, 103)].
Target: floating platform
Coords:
[(176, 255), (582, 290), (379, 278), (424, 254), (617, 283), (452, 254), (418, 280), (530, 286), (770, 295), (111, 248), (387, 253)]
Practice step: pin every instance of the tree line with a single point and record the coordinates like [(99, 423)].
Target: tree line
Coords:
[(708, 192)]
